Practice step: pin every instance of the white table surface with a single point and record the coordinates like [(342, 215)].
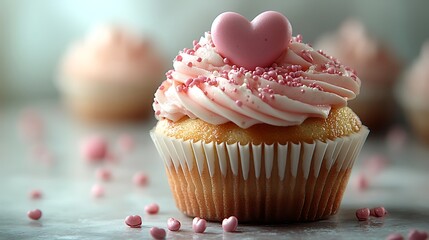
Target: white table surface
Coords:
[(70, 212)]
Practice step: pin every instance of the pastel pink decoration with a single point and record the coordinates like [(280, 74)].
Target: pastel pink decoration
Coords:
[(395, 236), (134, 221), (152, 208), (157, 233), (35, 194), (173, 224), (199, 225), (417, 235), (97, 191), (140, 179), (230, 224), (35, 214), (378, 212), (94, 148), (103, 174), (251, 44), (362, 214), (126, 142)]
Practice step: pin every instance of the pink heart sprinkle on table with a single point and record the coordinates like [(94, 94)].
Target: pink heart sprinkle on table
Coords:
[(251, 44)]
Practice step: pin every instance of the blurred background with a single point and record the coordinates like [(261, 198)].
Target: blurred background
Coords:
[(33, 36)]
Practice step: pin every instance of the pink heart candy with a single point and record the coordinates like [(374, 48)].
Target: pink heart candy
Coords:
[(417, 235), (230, 224), (251, 44), (199, 225), (152, 208), (157, 233), (134, 221), (35, 214), (173, 224)]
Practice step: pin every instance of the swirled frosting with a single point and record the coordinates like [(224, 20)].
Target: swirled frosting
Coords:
[(302, 83), (111, 53)]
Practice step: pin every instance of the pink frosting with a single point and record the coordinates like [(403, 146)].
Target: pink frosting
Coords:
[(111, 53), (355, 47), (302, 83)]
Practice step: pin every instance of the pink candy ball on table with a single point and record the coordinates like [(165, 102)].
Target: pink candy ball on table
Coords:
[(157, 233), (152, 208), (199, 225), (417, 235), (134, 221), (173, 224), (378, 212), (35, 214), (97, 191), (362, 214), (140, 179), (94, 148), (103, 174), (230, 224), (126, 142), (35, 194)]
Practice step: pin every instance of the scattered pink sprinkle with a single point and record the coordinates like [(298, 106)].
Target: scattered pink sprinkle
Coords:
[(94, 148), (35, 214), (199, 225), (157, 233), (31, 125), (226, 60), (97, 191), (35, 194), (395, 236), (140, 179), (362, 182), (179, 58), (103, 174), (134, 221), (414, 234), (173, 224), (230, 224), (189, 64), (126, 142), (152, 208), (362, 214), (239, 103), (378, 212)]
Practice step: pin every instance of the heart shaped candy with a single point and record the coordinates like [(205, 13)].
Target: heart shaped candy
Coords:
[(134, 221), (230, 224), (251, 44)]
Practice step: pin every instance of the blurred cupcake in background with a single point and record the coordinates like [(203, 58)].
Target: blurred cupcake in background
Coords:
[(413, 94), (377, 66), (110, 75)]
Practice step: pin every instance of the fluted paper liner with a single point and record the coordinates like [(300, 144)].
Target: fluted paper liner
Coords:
[(259, 183)]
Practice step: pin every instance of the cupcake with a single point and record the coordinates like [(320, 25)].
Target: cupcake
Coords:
[(110, 75), (376, 65), (254, 123), (413, 95)]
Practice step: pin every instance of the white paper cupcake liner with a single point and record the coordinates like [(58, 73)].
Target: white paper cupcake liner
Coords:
[(259, 182)]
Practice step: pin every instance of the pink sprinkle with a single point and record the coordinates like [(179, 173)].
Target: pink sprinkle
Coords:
[(35, 214), (199, 59), (35, 194), (103, 174), (152, 208), (97, 191), (126, 142), (199, 225), (157, 233), (158, 112), (362, 214), (414, 234), (140, 179), (331, 70), (226, 60), (179, 58), (94, 148), (239, 103), (362, 182), (173, 224), (230, 224), (134, 221), (195, 42), (395, 236), (189, 64), (378, 212)]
